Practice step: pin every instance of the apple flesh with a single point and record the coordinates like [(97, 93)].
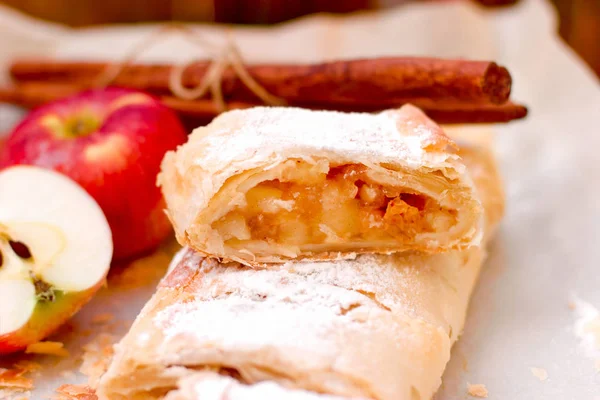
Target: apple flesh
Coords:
[(55, 252), (111, 142)]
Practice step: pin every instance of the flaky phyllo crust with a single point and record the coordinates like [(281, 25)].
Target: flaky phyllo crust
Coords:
[(272, 184)]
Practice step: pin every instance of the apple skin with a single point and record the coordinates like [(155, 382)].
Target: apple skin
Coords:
[(46, 319), (111, 141)]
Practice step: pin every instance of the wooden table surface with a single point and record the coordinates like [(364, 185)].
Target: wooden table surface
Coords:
[(579, 19)]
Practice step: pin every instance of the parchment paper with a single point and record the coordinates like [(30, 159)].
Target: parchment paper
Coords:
[(547, 251)]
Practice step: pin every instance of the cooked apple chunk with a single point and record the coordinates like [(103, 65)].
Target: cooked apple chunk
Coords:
[(312, 207)]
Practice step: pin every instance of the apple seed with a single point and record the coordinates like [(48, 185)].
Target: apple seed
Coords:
[(20, 249)]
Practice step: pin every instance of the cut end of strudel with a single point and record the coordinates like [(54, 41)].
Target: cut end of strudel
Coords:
[(273, 184), (375, 327)]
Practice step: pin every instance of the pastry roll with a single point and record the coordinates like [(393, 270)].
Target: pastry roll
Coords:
[(377, 327), (270, 184)]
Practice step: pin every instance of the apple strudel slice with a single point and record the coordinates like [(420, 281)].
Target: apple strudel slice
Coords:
[(377, 326), (270, 184)]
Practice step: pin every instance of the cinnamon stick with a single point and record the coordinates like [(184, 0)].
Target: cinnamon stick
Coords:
[(33, 94), (478, 114), (375, 83)]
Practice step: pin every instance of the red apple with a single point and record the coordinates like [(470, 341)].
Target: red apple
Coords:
[(55, 252), (111, 142)]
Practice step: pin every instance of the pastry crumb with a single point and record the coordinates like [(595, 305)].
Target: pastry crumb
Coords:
[(477, 390), (14, 379), (14, 395), (75, 392), (539, 373), (96, 357), (47, 348), (14, 385)]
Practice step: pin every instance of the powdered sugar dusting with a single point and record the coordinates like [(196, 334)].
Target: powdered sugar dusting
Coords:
[(301, 297), (300, 133), (271, 128), (414, 285), (276, 324), (212, 386), (238, 300)]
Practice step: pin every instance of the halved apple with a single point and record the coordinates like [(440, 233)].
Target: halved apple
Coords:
[(55, 252)]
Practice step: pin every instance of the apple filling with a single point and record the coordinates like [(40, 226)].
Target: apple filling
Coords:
[(314, 208)]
